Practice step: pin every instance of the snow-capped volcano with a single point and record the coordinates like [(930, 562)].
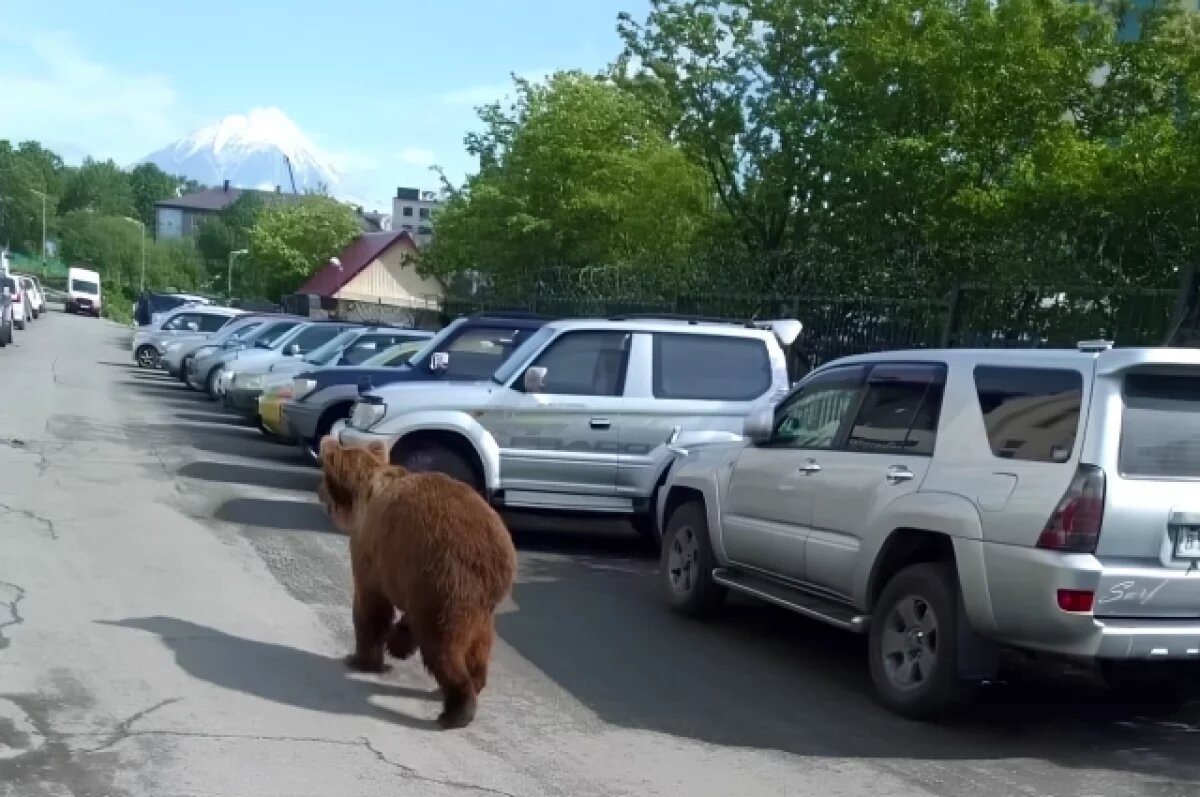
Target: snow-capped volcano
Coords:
[(248, 150)]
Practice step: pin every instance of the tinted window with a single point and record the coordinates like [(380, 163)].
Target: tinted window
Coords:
[(1030, 414), (84, 286), (1160, 427), (211, 323), (813, 415), (713, 367), (181, 321), (479, 351), (900, 410), (585, 363), (313, 337)]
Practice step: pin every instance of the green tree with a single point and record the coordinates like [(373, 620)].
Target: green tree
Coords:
[(25, 171), (99, 186), (149, 185), (109, 243), (575, 177), (290, 242)]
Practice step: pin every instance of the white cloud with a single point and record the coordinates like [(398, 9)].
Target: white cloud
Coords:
[(484, 93), (53, 92), (416, 156)]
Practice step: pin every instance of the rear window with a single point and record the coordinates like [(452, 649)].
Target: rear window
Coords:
[(1160, 427), (710, 367), (1030, 414), (84, 286), (211, 323)]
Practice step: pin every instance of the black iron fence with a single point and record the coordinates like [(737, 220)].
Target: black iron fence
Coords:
[(975, 315)]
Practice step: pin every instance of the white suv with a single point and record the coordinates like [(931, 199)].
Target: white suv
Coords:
[(581, 417), (956, 504)]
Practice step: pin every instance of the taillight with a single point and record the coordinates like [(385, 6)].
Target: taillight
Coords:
[(1077, 601), (1075, 525)]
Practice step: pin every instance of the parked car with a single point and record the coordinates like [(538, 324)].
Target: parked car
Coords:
[(240, 384), (279, 386), (21, 310), (953, 504), (151, 306), (7, 285), (33, 295), (178, 353), (209, 362), (83, 291), (582, 416), (349, 347), (150, 341), (468, 349)]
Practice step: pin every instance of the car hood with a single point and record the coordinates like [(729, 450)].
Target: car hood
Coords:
[(329, 376), (437, 395), (251, 359)]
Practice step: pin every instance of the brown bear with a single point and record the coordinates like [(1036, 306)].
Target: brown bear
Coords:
[(431, 547)]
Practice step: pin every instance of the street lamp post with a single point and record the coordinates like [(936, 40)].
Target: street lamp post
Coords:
[(43, 196), (142, 225), (232, 256)]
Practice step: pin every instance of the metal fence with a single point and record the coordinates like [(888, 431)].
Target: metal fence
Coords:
[(979, 316)]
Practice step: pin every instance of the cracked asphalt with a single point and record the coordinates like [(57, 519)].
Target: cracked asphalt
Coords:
[(174, 605)]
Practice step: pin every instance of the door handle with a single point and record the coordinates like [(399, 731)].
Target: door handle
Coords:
[(599, 423), (898, 473), (810, 466)]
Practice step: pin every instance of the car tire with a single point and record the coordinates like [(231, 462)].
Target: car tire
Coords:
[(210, 382), (19, 323), (324, 426), (686, 563), (146, 356), (426, 457), (913, 643)]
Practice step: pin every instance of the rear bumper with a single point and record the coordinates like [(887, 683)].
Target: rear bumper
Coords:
[(1023, 584)]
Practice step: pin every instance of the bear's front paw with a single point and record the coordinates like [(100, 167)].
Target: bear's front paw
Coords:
[(360, 663)]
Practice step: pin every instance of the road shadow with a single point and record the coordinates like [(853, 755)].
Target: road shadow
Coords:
[(213, 416), (247, 448), (271, 514), (759, 677), (232, 473), (278, 673)]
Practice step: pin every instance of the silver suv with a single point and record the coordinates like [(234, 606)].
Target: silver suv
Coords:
[(581, 417), (954, 505)]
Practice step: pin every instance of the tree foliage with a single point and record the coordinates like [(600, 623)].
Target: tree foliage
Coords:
[(291, 241), (573, 174)]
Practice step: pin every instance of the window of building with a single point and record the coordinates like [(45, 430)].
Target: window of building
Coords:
[(407, 211)]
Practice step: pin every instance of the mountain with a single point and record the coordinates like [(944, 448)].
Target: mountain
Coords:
[(248, 150)]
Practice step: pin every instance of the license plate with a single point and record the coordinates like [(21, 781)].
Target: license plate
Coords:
[(1187, 542)]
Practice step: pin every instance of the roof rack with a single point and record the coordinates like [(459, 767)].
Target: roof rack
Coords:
[(691, 319), (522, 314)]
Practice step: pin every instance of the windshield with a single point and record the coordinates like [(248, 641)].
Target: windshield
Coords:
[(429, 348), (518, 358), (396, 355), (325, 354), (272, 334), (84, 286), (243, 331)]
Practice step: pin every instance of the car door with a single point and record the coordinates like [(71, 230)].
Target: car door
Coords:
[(885, 456), (562, 438), (769, 502)]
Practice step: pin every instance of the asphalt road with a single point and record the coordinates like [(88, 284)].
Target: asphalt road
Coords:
[(174, 605)]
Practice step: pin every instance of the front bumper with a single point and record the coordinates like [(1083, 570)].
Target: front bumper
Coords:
[(242, 401), (301, 418), (350, 437), (1023, 584), (270, 411)]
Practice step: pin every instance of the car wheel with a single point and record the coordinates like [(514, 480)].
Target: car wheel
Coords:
[(913, 643), (147, 356), (210, 382), (426, 457), (687, 563)]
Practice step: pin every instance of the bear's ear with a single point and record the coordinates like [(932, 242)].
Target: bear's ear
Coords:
[(329, 448), (378, 450)]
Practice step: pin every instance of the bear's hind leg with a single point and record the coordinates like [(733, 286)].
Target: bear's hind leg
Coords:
[(447, 662), (372, 619), (478, 655)]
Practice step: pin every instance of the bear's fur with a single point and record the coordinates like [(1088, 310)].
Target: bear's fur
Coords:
[(431, 547)]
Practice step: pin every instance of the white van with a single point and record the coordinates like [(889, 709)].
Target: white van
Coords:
[(83, 291)]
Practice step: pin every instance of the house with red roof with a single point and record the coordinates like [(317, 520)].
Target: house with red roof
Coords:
[(377, 269)]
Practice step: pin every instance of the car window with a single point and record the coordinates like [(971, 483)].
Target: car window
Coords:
[(324, 354), (181, 321), (813, 416), (245, 330), (271, 335), (1160, 426), (210, 322), (735, 368), (1030, 414), (585, 363), (84, 286), (10, 283), (900, 410), (313, 337)]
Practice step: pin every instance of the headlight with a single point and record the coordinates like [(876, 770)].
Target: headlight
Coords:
[(302, 387), (203, 351), (249, 381), (367, 413)]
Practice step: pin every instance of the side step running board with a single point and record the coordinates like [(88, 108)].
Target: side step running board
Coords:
[(814, 606)]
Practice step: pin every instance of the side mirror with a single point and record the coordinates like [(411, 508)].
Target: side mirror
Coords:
[(535, 379), (759, 425), (292, 350), (440, 361)]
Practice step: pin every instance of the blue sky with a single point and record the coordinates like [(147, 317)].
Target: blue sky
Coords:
[(387, 89)]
